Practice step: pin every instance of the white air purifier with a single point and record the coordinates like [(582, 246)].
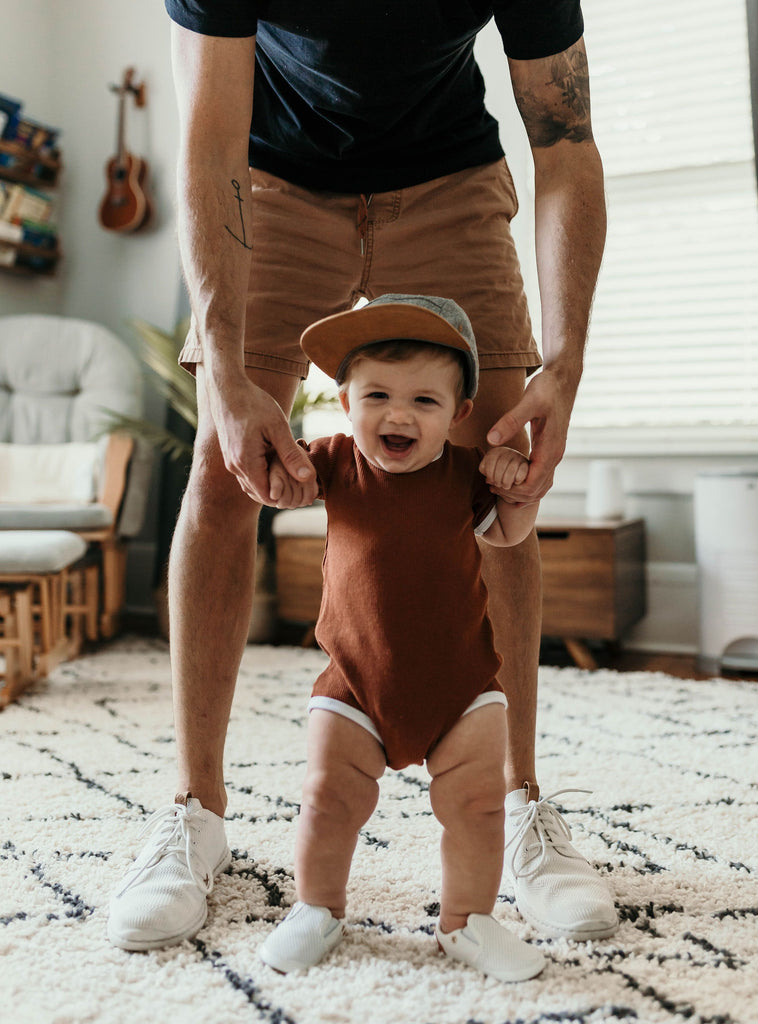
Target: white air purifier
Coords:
[(726, 545)]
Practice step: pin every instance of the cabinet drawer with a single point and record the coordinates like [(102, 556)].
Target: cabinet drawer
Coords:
[(592, 580), (298, 577)]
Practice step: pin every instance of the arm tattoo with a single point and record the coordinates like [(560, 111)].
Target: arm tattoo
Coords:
[(566, 114), (242, 241)]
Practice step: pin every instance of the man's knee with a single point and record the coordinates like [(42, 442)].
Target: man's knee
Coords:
[(213, 498)]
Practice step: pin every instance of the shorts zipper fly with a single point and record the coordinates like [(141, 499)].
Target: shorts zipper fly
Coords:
[(364, 201)]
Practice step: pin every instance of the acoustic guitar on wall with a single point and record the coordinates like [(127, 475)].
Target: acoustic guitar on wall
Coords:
[(126, 205)]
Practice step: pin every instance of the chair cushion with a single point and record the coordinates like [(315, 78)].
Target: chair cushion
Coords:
[(58, 375), (49, 472), (38, 551), (59, 379), (55, 516)]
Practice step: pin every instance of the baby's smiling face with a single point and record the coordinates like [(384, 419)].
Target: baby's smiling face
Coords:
[(401, 412)]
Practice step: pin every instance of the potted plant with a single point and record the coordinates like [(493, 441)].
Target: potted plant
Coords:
[(159, 351)]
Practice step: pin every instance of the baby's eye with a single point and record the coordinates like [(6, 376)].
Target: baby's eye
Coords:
[(427, 400), (376, 394)]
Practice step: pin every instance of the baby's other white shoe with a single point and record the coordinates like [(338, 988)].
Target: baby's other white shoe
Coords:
[(489, 947)]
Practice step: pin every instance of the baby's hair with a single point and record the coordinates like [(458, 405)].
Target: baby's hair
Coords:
[(397, 350)]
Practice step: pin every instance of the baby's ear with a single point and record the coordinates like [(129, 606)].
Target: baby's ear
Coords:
[(462, 412), (344, 402)]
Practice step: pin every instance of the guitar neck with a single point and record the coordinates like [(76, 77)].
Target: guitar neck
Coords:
[(121, 131)]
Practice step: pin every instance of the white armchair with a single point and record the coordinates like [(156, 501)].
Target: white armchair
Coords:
[(58, 378)]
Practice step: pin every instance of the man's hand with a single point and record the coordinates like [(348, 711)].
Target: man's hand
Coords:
[(546, 406), (252, 429)]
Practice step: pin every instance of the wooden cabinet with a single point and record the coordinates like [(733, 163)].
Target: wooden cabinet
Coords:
[(298, 577), (593, 580)]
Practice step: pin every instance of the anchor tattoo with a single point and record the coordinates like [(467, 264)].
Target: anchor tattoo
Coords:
[(243, 240)]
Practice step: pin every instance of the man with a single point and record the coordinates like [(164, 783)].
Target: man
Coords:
[(328, 152)]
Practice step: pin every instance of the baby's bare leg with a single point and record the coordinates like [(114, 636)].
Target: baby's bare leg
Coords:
[(467, 794), (339, 796)]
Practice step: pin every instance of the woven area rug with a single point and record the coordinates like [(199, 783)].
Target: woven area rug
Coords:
[(671, 822)]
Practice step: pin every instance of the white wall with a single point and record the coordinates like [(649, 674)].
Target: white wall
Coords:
[(59, 59)]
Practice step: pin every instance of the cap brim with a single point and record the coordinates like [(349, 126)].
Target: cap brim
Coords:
[(329, 341)]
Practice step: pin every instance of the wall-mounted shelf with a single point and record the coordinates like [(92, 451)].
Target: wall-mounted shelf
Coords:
[(29, 166), (37, 170)]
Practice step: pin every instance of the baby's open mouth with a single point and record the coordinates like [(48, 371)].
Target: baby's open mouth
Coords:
[(396, 443)]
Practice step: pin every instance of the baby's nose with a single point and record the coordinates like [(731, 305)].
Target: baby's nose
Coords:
[(400, 413)]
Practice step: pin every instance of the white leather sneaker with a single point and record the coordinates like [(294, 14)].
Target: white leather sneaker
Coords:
[(303, 938), (557, 891), (489, 947), (163, 897)]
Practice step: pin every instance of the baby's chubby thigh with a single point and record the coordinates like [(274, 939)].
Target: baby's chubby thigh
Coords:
[(344, 764)]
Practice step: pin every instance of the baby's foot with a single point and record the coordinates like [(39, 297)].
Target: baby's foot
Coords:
[(485, 944), (303, 938)]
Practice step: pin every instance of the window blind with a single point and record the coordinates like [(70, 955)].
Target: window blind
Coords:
[(672, 357)]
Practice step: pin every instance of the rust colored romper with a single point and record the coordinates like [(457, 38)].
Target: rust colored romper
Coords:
[(404, 609)]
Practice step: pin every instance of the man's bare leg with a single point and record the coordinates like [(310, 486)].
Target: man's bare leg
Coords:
[(557, 891), (162, 899), (514, 584), (513, 579), (211, 579)]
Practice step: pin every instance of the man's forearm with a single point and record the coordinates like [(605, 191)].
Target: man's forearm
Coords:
[(213, 78), (570, 226), (215, 242)]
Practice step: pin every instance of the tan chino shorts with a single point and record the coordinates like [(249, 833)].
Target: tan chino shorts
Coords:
[(317, 253)]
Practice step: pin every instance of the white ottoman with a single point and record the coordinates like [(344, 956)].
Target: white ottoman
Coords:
[(42, 561)]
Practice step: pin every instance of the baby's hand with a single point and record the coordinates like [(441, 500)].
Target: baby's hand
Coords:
[(284, 491), (504, 469)]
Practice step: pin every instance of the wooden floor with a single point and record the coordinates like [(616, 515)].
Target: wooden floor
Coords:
[(552, 652), (683, 666)]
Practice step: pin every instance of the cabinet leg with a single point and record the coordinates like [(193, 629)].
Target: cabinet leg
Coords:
[(580, 652), (309, 637)]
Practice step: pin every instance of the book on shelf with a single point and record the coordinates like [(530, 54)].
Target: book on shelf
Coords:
[(5, 191), (29, 243), (25, 203), (35, 136), (11, 236), (39, 234), (29, 139), (10, 232), (9, 115)]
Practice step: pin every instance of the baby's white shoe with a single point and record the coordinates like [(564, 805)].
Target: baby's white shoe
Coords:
[(489, 947), (303, 938)]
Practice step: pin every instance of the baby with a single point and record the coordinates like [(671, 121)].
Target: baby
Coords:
[(412, 670)]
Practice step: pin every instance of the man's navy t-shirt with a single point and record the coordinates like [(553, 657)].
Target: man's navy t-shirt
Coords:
[(373, 95)]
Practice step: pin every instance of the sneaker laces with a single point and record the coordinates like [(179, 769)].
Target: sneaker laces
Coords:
[(172, 827), (539, 826)]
